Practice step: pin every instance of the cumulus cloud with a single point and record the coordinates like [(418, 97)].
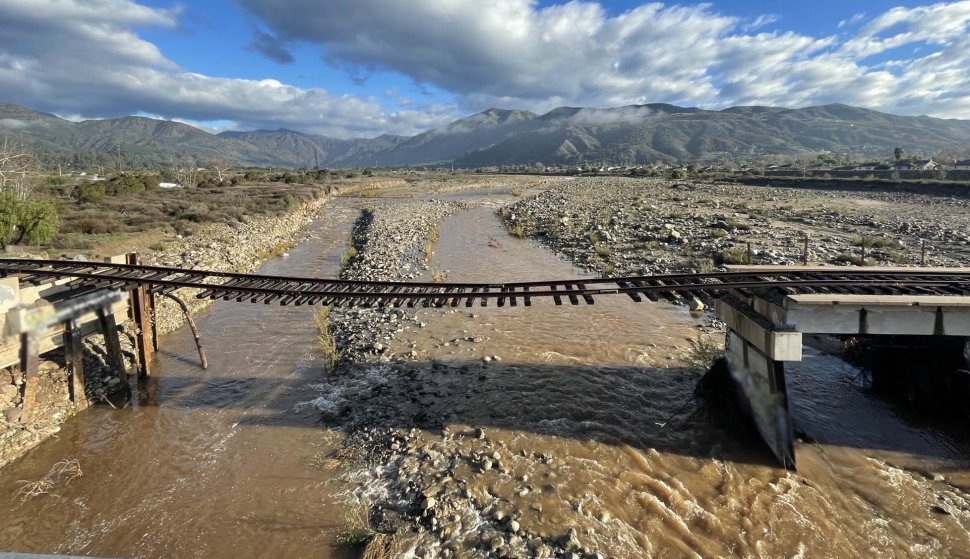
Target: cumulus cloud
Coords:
[(516, 53), (84, 57)]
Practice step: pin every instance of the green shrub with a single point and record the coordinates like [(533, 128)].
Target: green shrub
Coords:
[(93, 226), (89, 192), (33, 222), (289, 202)]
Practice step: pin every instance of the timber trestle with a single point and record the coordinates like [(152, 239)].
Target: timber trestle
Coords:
[(255, 288), (766, 310)]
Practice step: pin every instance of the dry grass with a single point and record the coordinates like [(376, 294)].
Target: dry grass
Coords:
[(63, 472), (348, 256), (516, 230), (380, 547), (702, 265), (515, 191), (433, 235), (359, 531), (438, 276), (326, 342), (854, 259), (702, 352), (873, 242), (123, 221), (493, 242), (734, 256), (342, 458), (275, 250)]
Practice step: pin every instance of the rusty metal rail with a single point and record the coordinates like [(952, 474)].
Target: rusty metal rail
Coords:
[(255, 288)]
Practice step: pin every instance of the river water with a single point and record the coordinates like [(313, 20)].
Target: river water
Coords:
[(588, 403), (218, 463)]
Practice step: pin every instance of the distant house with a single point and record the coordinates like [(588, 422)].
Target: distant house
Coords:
[(963, 165), (785, 167), (919, 165), (169, 185)]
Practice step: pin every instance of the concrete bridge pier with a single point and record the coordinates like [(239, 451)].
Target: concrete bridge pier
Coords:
[(765, 331), (756, 352)]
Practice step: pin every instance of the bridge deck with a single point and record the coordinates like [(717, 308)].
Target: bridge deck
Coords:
[(254, 288)]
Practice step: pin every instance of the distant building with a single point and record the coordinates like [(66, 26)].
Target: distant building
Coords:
[(919, 165), (963, 165)]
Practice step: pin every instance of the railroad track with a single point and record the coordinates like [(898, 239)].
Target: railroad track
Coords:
[(255, 288)]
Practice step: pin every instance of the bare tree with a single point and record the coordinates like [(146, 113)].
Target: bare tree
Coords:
[(18, 169), (220, 166), (187, 173)]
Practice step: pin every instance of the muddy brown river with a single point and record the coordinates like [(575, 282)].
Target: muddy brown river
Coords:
[(584, 401)]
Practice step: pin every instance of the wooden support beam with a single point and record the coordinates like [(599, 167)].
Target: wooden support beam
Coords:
[(29, 364), (74, 355), (139, 308), (153, 317), (112, 343)]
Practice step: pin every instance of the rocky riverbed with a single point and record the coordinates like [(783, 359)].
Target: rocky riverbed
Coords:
[(459, 457), (435, 451), (620, 226)]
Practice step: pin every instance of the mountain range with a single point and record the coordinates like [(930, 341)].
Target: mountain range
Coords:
[(567, 135)]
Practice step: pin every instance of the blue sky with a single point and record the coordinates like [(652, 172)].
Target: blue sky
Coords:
[(364, 67)]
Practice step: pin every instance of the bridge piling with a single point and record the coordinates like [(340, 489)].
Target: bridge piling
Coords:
[(139, 317)]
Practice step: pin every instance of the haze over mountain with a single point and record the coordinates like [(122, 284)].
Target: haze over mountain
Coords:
[(567, 135)]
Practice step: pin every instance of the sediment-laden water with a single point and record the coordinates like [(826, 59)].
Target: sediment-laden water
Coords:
[(554, 418), (212, 463)]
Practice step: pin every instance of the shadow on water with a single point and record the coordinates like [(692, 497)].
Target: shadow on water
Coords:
[(645, 408)]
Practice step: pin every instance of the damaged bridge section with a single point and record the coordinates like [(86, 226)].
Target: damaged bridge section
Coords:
[(765, 328)]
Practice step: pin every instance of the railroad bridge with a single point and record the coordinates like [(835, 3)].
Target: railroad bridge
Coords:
[(48, 304)]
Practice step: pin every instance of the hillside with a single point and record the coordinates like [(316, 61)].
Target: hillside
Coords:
[(297, 149), (646, 133), (567, 135), (444, 144)]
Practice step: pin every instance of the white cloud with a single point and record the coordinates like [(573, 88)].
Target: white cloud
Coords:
[(760, 22), (852, 20), (83, 57), (514, 53)]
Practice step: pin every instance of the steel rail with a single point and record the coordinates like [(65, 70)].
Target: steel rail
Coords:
[(29, 266), (306, 291)]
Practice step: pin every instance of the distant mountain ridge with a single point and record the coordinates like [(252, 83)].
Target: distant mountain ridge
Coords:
[(567, 135)]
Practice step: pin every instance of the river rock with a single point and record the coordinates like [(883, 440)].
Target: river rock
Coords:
[(12, 415)]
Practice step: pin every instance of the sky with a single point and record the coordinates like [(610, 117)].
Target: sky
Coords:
[(361, 68)]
